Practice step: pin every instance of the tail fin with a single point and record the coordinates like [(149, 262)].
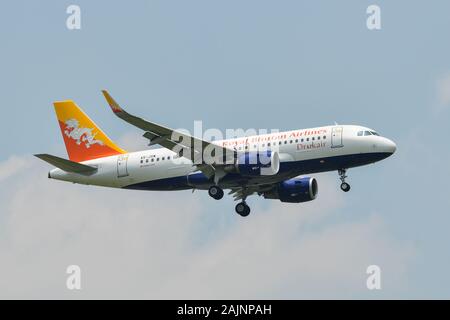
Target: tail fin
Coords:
[(83, 139)]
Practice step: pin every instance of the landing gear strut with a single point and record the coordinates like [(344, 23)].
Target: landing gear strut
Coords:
[(242, 209), (215, 192), (344, 185)]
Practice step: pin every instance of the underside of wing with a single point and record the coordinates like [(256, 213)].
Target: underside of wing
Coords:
[(242, 193)]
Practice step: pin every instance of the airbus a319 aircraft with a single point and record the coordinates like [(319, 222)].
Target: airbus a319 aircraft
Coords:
[(268, 165)]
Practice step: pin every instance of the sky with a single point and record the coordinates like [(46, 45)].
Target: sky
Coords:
[(231, 64)]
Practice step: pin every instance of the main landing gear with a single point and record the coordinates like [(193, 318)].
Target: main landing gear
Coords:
[(242, 209), (215, 192), (344, 185)]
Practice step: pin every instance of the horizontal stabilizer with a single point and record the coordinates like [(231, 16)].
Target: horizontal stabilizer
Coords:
[(67, 165)]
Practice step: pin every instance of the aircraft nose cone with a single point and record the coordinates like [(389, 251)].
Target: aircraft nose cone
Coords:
[(390, 146)]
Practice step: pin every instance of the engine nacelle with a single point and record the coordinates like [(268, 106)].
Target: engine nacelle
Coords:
[(294, 190), (258, 163)]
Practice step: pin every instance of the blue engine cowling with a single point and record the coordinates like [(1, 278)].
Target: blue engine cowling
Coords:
[(258, 163), (294, 190)]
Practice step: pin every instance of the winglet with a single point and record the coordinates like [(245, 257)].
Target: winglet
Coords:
[(112, 103)]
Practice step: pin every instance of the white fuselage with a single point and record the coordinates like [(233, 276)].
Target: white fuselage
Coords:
[(301, 152)]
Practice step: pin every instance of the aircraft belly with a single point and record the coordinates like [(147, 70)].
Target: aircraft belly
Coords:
[(289, 169)]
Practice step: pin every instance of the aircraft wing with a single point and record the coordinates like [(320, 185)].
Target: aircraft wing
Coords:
[(179, 142), (242, 193)]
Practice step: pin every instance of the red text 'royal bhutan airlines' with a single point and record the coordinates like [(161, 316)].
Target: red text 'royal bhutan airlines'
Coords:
[(268, 165)]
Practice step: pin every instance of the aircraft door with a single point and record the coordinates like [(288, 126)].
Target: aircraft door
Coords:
[(336, 137), (122, 166)]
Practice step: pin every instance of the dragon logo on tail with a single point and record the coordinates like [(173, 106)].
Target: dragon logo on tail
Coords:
[(80, 135)]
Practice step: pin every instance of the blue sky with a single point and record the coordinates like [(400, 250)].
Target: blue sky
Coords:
[(234, 64)]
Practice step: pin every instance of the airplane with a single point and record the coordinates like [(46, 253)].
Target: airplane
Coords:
[(270, 165)]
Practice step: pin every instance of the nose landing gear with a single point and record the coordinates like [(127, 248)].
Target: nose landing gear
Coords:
[(344, 185)]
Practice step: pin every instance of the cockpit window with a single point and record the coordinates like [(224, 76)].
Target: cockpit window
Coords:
[(367, 133)]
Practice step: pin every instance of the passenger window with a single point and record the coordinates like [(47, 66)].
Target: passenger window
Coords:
[(324, 137), (142, 161), (157, 159), (268, 144), (168, 158), (153, 160), (302, 140), (313, 138), (291, 141), (307, 139), (146, 160), (296, 140), (318, 138), (285, 141)]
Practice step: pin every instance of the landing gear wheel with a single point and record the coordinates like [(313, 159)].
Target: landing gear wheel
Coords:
[(215, 192), (345, 187), (242, 209)]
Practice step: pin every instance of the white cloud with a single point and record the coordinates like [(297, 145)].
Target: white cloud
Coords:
[(133, 244), (12, 166), (443, 92), (132, 141)]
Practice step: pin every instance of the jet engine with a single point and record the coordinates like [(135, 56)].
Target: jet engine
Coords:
[(258, 163), (294, 190)]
